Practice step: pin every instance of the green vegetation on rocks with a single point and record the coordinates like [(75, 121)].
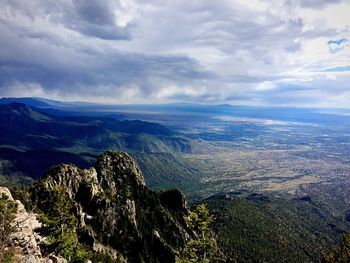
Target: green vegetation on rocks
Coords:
[(8, 210), (59, 225)]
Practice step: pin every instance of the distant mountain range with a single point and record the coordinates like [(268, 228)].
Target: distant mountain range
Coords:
[(29, 101), (30, 135), (186, 111)]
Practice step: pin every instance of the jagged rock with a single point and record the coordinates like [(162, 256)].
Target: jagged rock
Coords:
[(57, 259), (6, 191), (114, 254), (24, 239), (117, 213)]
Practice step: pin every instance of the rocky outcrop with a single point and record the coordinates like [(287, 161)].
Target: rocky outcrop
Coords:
[(24, 241), (117, 213)]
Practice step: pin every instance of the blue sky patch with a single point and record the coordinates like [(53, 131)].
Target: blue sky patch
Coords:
[(338, 69), (338, 42), (337, 45)]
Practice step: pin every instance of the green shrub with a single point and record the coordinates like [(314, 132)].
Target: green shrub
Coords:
[(8, 210)]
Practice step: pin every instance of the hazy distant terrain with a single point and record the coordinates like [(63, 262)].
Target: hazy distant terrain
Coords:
[(225, 147), (289, 166)]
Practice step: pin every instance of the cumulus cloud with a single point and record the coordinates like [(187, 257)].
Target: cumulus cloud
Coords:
[(235, 51)]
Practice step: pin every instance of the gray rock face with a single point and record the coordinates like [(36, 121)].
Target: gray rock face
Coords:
[(25, 240), (56, 259), (118, 214)]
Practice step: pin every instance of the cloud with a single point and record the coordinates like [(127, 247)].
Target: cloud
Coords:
[(102, 19), (316, 4), (64, 62), (158, 51), (105, 19)]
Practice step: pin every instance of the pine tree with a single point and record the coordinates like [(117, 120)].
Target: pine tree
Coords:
[(202, 248), (59, 225)]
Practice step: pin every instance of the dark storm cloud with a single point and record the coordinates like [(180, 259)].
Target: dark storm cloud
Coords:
[(93, 18), (96, 18), (66, 71), (67, 66), (163, 50), (96, 12)]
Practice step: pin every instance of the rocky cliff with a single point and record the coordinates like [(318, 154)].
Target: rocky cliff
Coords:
[(24, 242), (117, 214)]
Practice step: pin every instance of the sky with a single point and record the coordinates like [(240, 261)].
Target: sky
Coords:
[(256, 52)]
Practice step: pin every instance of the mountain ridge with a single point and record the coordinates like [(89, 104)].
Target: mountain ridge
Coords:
[(25, 130), (117, 214)]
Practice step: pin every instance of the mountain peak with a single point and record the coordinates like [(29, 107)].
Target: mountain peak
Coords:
[(117, 213), (119, 167)]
